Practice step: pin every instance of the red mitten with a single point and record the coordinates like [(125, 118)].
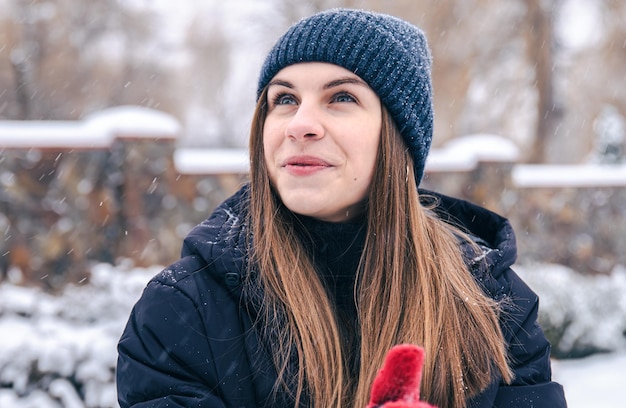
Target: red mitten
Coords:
[(397, 384)]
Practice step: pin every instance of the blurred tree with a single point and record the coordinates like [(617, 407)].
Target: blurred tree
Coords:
[(592, 75), (208, 48), (478, 67), (614, 55), (538, 31), (497, 68), (64, 59)]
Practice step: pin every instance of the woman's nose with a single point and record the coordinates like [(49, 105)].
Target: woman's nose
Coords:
[(305, 123)]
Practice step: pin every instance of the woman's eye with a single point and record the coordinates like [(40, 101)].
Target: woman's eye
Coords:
[(344, 97), (284, 99)]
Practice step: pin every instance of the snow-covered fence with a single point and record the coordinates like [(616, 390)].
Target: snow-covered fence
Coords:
[(573, 215), (116, 185), (94, 190)]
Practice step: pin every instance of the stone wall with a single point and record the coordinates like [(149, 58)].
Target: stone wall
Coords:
[(63, 208), (581, 225)]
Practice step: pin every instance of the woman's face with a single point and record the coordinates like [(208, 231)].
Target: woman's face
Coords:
[(321, 138)]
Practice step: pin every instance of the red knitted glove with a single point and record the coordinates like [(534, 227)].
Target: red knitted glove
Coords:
[(397, 384)]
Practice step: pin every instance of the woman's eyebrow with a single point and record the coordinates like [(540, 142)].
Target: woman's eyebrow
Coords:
[(332, 84), (280, 82), (345, 80)]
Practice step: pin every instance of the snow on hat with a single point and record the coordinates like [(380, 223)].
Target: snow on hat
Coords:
[(389, 54)]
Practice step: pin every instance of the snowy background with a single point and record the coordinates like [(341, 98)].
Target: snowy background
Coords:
[(55, 348), (60, 350)]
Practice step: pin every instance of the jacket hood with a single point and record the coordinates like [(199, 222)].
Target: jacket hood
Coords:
[(221, 240), (492, 232)]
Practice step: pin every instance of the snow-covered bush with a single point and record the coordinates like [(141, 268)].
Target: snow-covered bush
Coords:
[(580, 314), (60, 350)]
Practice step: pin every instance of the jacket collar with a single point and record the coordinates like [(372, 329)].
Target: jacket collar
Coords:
[(221, 239)]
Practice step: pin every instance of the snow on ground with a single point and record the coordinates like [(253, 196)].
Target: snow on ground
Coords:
[(596, 381), (60, 351)]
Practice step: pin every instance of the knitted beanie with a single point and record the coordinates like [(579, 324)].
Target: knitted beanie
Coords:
[(389, 54)]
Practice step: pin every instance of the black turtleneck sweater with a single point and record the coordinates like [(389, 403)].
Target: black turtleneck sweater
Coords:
[(336, 250)]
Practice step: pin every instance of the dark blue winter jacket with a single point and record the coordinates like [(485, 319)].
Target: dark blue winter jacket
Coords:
[(190, 340)]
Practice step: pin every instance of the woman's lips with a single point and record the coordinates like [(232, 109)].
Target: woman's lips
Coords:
[(305, 165)]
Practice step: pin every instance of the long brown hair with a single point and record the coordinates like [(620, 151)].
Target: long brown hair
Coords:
[(413, 286)]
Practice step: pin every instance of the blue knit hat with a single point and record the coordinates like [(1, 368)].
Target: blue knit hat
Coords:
[(389, 54)]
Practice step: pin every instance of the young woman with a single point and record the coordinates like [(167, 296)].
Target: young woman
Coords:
[(292, 292)]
